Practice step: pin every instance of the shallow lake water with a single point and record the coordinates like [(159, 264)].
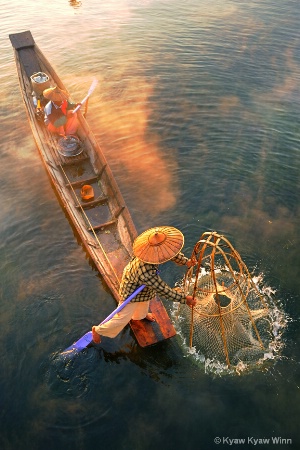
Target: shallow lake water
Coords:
[(197, 111)]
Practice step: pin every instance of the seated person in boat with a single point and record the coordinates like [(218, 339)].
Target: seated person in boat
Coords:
[(59, 116), (153, 247)]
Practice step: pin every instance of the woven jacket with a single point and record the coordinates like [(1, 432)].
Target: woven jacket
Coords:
[(138, 272)]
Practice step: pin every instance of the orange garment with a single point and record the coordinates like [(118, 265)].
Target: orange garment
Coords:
[(70, 126)]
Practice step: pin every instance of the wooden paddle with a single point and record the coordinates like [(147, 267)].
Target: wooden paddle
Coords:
[(87, 339), (91, 90)]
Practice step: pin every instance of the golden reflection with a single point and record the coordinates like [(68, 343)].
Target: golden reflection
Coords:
[(132, 150)]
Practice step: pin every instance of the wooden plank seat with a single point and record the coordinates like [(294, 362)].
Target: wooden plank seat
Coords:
[(103, 225), (113, 221), (69, 161), (92, 203)]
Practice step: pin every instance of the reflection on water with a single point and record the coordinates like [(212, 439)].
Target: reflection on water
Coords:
[(197, 111), (123, 119)]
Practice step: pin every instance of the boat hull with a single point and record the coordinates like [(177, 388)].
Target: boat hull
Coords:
[(103, 224)]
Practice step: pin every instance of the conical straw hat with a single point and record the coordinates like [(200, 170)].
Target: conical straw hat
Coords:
[(158, 245), (55, 94)]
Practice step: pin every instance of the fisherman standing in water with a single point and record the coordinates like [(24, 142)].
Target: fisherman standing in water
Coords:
[(153, 247)]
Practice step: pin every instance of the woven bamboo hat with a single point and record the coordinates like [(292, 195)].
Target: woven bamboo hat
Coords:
[(158, 245), (55, 94)]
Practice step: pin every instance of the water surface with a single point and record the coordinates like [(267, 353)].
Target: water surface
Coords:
[(197, 111)]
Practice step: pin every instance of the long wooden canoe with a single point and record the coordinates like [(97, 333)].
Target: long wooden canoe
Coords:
[(103, 224)]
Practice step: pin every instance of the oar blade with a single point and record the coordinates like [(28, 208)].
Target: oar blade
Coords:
[(93, 86), (79, 345), (87, 339)]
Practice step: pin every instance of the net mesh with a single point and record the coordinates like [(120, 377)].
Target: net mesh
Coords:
[(229, 322)]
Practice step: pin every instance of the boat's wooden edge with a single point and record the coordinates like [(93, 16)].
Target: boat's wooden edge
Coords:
[(150, 333), (21, 40)]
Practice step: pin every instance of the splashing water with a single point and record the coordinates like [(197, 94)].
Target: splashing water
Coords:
[(271, 327)]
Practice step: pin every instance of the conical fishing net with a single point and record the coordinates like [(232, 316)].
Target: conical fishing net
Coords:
[(229, 322)]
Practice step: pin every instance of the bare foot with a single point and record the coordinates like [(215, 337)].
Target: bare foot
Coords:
[(150, 317), (96, 336)]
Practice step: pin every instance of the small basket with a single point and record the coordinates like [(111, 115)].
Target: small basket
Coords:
[(39, 82)]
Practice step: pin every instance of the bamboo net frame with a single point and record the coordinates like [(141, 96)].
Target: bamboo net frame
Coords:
[(216, 254)]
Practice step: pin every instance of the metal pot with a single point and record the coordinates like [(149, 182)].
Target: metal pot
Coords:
[(69, 146)]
